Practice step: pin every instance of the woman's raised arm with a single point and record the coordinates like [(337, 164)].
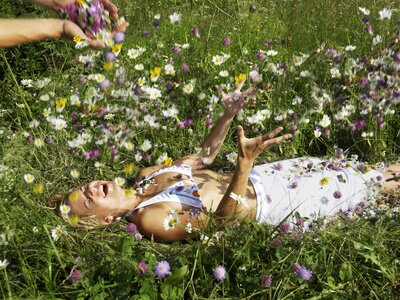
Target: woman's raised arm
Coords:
[(211, 145), (249, 149)]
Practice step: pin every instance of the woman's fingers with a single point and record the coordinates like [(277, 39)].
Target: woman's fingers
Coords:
[(277, 140), (239, 86), (271, 134)]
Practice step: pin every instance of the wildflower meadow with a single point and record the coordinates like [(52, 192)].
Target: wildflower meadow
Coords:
[(326, 71)]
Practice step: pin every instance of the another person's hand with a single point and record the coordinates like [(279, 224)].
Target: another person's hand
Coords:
[(58, 5), (250, 148), (233, 102)]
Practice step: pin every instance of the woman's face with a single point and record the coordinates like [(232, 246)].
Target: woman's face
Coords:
[(100, 198)]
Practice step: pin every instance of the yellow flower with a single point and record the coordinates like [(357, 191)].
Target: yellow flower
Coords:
[(168, 161), (108, 66), (74, 196), (38, 188), (80, 2), (60, 104), (129, 192), (73, 220), (116, 48), (129, 168), (155, 72), (77, 39), (240, 78), (324, 181)]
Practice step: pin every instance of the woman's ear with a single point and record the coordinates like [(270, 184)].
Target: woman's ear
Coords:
[(108, 220)]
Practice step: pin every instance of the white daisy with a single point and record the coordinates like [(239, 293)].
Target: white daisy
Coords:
[(29, 178), (3, 264), (57, 232), (239, 199), (171, 221), (175, 17)]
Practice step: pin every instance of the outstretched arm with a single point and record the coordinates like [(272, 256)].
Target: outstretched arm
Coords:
[(249, 149), (14, 32), (211, 145)]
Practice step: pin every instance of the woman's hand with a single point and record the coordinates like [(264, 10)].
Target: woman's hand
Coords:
[(233, 102), (250, 148), (71, 30)]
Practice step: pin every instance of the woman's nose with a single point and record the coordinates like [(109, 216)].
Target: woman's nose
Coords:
[(92, 188)]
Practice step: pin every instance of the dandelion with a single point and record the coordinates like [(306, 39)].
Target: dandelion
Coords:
[(128, 169), (60, 104), (75, 276), (3, 264), (38, 188), (73, 196), (219, 273), (73, 219), (240, 78), (168, 161), (162, 269), (175, 17), (119, 181), (266, 281), (155, 73), (232, 157), (29, 178), (57, 232), (324, 181), (302, 272), (74, 173), (171, 221)]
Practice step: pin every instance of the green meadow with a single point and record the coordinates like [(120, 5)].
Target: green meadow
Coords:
[(327, 71)]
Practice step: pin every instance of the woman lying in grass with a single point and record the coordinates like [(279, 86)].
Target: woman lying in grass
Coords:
[(170, 203)]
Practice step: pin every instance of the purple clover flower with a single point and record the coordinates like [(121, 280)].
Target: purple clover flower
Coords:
[(119, 37), (227, 42), (337, 195), (105, 84), (75, 276), (131, 228), (162, 269), (185, 68), (110, 56), (196, 32), (175, 49), (260, 55), (302, 272), (284, 227), (266, 281), (219, 273), (142, 267)]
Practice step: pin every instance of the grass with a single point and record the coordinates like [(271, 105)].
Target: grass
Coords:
[(350, 259)]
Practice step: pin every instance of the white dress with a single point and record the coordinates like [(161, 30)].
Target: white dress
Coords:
[(311, 187)]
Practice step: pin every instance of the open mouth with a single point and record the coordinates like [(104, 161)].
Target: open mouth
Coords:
[(105, 189)]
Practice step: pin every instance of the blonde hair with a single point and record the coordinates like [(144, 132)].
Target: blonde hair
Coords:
[(87, 222)]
